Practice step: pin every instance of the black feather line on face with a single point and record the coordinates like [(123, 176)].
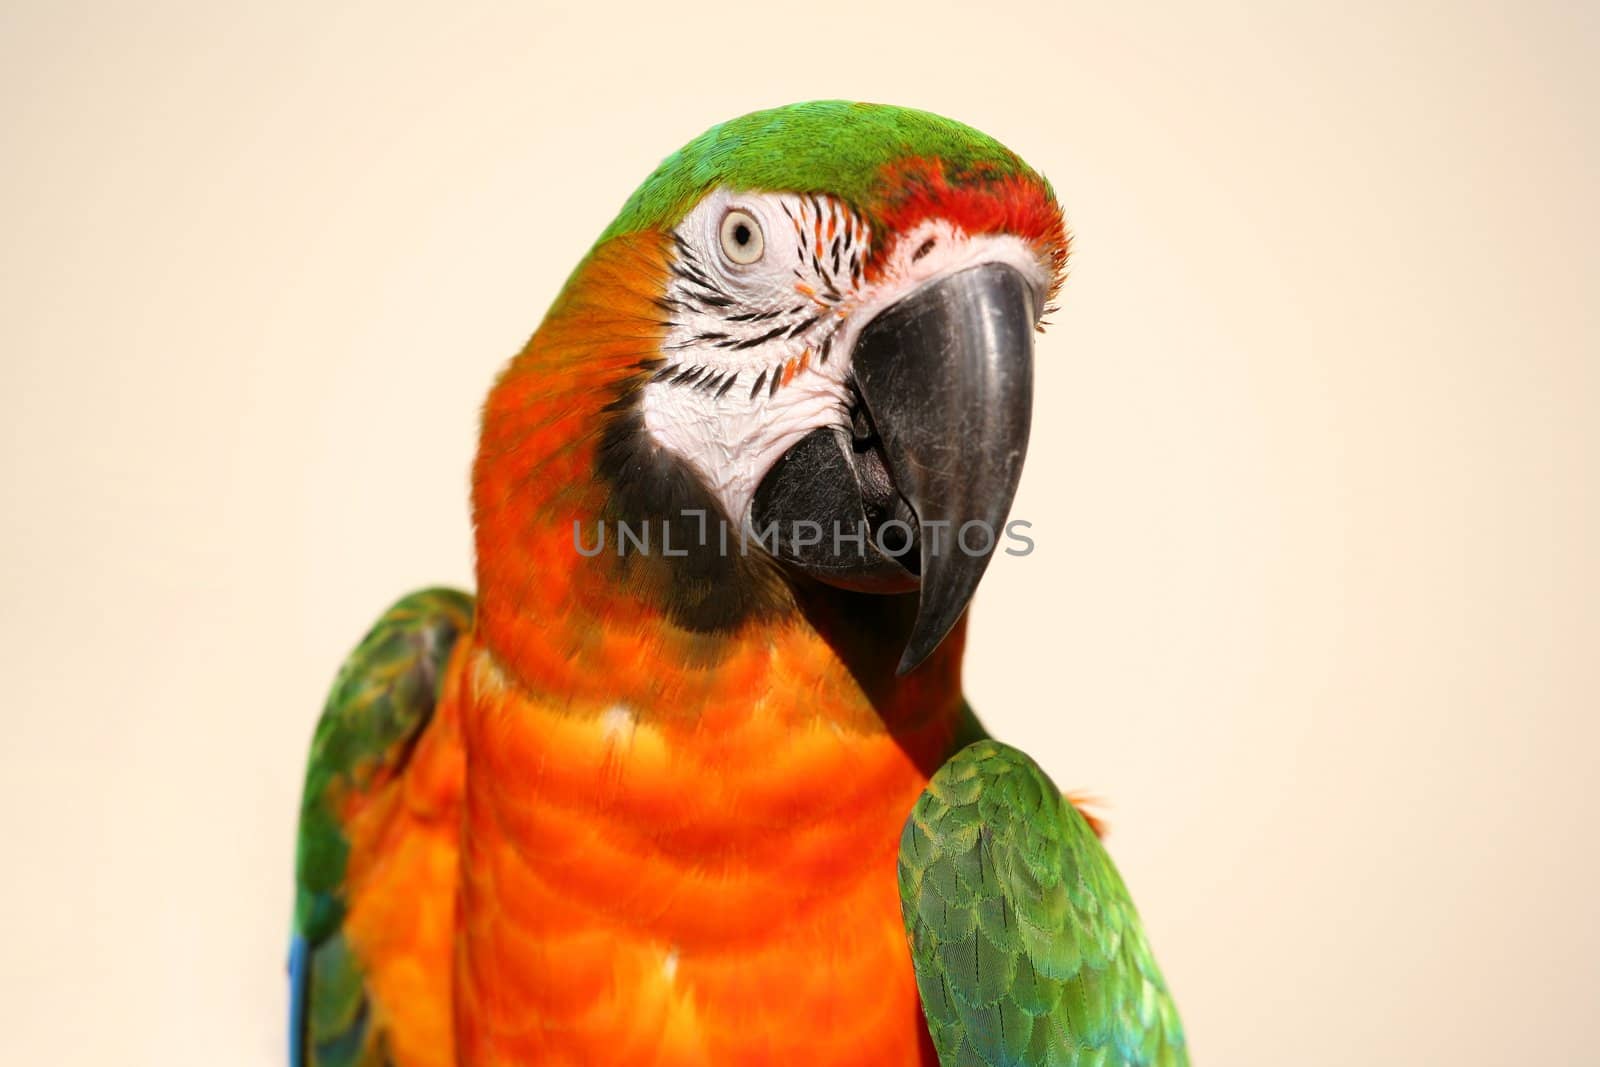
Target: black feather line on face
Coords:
[(803, 325), (686, 271), (685, 250), (756, 388), (752, 342), (711, 295), (755, 316)]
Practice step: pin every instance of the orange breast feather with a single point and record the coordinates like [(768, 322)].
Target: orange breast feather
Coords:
[(642, 890)]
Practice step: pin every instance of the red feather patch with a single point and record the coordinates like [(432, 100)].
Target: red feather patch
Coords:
[(980, 200)]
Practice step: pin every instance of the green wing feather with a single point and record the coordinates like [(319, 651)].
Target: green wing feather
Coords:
[(382, 699), (1028, 950)]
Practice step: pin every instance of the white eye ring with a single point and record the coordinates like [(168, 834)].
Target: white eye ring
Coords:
[(742, 240)]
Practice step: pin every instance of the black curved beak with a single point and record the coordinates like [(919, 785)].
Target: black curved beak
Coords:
[(945, 379)]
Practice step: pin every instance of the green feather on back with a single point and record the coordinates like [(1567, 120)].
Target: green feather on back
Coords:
[(380, 703), (1027, 947)]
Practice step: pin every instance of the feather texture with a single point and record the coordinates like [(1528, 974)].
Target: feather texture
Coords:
[(1027, 947), (360, 825)]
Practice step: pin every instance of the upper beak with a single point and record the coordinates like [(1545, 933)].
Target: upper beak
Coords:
[(947, 377), (946, 380)]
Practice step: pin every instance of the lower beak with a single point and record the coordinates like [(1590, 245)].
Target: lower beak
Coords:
[(945, 378)]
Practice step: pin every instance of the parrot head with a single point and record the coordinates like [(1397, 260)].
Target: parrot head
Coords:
[(829, 353)]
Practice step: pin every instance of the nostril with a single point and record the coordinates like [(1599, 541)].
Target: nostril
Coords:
[(860, 427), (862, 433), (923, 249)]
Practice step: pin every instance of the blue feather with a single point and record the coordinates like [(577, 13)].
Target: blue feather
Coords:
[(299, 987)]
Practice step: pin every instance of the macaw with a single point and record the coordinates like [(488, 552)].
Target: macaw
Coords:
[(692, 780)]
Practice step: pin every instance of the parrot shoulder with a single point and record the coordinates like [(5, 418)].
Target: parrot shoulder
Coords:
[(1027, 948), (373, 774)]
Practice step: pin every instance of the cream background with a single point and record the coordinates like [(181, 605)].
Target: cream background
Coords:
[(1314, 477)]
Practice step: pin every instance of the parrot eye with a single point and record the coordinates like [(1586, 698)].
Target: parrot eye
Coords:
[(742, 241)]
